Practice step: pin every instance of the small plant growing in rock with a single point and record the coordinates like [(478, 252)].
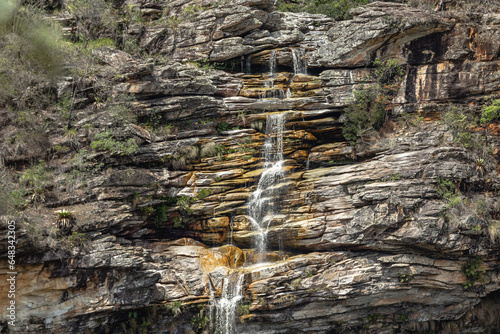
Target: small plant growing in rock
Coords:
[(65, 220), (174, 308), (490, 113), (105, 141), (405, 278), (296, 284), (77, 239), (200, 320), (311, 272), (474, 272), (222, 127), (203, 193), (160, 214), (36, 179), (64, 214), (208, 150), (184, 202), (480, 166), (244, 309), (178, 222), (401, 318)]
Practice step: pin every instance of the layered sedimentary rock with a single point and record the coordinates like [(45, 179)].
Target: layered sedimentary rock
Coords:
[(362, 241)]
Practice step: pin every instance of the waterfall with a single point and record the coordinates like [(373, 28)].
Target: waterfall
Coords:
[(248, 65), (273, 61), (299, 61), (231, 224), (277, 93), (262, 204), (227, 305)]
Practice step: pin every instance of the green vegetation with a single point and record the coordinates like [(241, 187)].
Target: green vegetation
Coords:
[(178, 222), (405, 278), (401, 318), (203, 193), (460, 124), (200, 320), (174, 308), (368, 110), (222, 127), (338, 9), (244, 309), (184, 202), (365, 114), (76, 239), (160, 214), (28, 57), (64, 214), (11, 194), (474, 272), (446, 190), (36, 179), (106, 141), (490, 112)]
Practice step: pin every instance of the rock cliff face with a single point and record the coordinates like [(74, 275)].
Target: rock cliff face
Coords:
[(363, 240)]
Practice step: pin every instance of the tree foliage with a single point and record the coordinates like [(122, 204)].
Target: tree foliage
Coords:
[(338, 9), (368, 109), (29, 56), (490, 113)]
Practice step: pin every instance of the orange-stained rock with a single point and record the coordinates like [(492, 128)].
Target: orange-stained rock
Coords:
[(235, 256)]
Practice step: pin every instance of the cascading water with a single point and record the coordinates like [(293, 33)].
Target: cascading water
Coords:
[(248, 65), (262, 204), (226, 307), (276, 93), (299, 61)]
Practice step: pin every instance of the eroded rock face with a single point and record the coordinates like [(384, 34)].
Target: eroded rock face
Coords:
[(362, 240)]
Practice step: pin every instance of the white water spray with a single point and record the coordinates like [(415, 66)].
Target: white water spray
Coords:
[(262, 205), (299, 61), (227, 305)]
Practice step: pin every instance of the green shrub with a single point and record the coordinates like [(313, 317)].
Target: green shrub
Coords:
[(178, 222), (338, 9), (160, 214), (94, 19), (174, 308), (474, 272), (459, 123), (11, 194), (490, 113), (363, 115), (446, 188), (368, 110), (63, 214), (387, 71), (222, 127), (208, 150), (204, 193), (105, 141), (184, 202), (28, 57)]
